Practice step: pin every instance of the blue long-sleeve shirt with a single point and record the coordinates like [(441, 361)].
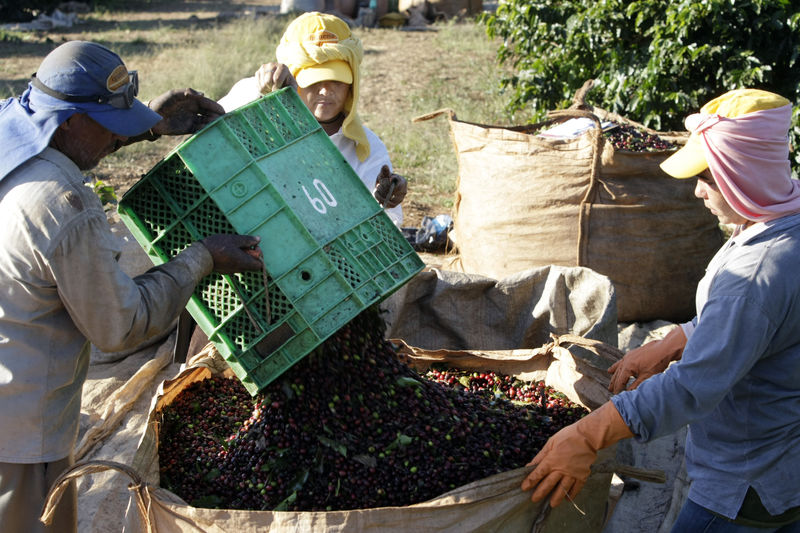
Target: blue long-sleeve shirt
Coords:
[(737, 384)]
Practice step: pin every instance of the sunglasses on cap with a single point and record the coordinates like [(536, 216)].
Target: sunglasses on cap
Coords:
[(122, 98)]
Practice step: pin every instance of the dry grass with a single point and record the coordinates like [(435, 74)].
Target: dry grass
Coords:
[(405, 74)]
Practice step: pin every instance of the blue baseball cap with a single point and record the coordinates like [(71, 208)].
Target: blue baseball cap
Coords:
[(92, 79)]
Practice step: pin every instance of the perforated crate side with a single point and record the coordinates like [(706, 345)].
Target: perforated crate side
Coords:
[(375, 258), (156, 210)]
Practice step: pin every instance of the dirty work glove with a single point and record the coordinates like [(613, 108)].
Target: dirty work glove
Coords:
[(273, 76), (390, 188), (647, 360), (183, 111), (234, 253), (564, 463)]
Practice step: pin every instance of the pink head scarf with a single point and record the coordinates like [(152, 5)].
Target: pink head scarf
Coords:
[(749, 158)]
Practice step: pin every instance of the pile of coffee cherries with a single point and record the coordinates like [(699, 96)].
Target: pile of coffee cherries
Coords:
[(350, 426), (633, 139)]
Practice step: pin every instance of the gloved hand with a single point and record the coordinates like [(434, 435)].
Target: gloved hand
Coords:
[(273, 76), (184, 111), (647, 360), (390, 188), (564, 463), (234, 253)]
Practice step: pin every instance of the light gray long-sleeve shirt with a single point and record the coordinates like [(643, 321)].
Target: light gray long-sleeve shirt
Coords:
[(60, 289)]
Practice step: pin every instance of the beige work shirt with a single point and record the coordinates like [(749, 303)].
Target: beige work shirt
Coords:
[(60, 289)]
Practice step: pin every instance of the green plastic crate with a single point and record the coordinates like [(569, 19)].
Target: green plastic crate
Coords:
[(269, 169)]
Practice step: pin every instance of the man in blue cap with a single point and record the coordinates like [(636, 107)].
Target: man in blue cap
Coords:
[(60, 284)]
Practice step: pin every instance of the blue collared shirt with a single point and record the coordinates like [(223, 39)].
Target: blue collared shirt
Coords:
[(737, 384)]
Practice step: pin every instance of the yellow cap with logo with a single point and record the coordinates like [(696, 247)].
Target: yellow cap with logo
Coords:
[(317, 32)]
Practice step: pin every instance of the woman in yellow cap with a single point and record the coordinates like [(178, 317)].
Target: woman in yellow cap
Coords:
[(320, 57), (735, 372)]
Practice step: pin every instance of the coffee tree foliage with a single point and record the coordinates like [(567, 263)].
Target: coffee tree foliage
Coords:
[(654, 61)]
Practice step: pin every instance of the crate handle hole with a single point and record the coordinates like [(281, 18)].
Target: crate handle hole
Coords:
[(274, 340), (305, 275)]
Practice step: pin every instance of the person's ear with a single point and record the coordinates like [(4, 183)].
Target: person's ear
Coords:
[(73, 121)]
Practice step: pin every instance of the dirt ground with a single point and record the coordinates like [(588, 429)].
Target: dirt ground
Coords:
[(386, 50)]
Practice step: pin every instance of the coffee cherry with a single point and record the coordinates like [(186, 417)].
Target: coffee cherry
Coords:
[(632, 139), (367, 430)]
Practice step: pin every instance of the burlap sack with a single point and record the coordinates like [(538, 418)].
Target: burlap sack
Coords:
[(525, 200), (494, 504), (458, 311)]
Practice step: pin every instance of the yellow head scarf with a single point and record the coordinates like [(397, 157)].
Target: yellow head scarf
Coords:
[(315, 38)]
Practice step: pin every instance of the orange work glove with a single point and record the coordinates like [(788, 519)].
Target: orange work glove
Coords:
[(564, 463), (648, 360)]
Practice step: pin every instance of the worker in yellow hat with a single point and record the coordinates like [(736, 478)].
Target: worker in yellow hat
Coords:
[(732, 374), (320, 57)]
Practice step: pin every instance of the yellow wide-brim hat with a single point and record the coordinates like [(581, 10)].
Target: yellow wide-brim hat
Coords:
[(690, 160)]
